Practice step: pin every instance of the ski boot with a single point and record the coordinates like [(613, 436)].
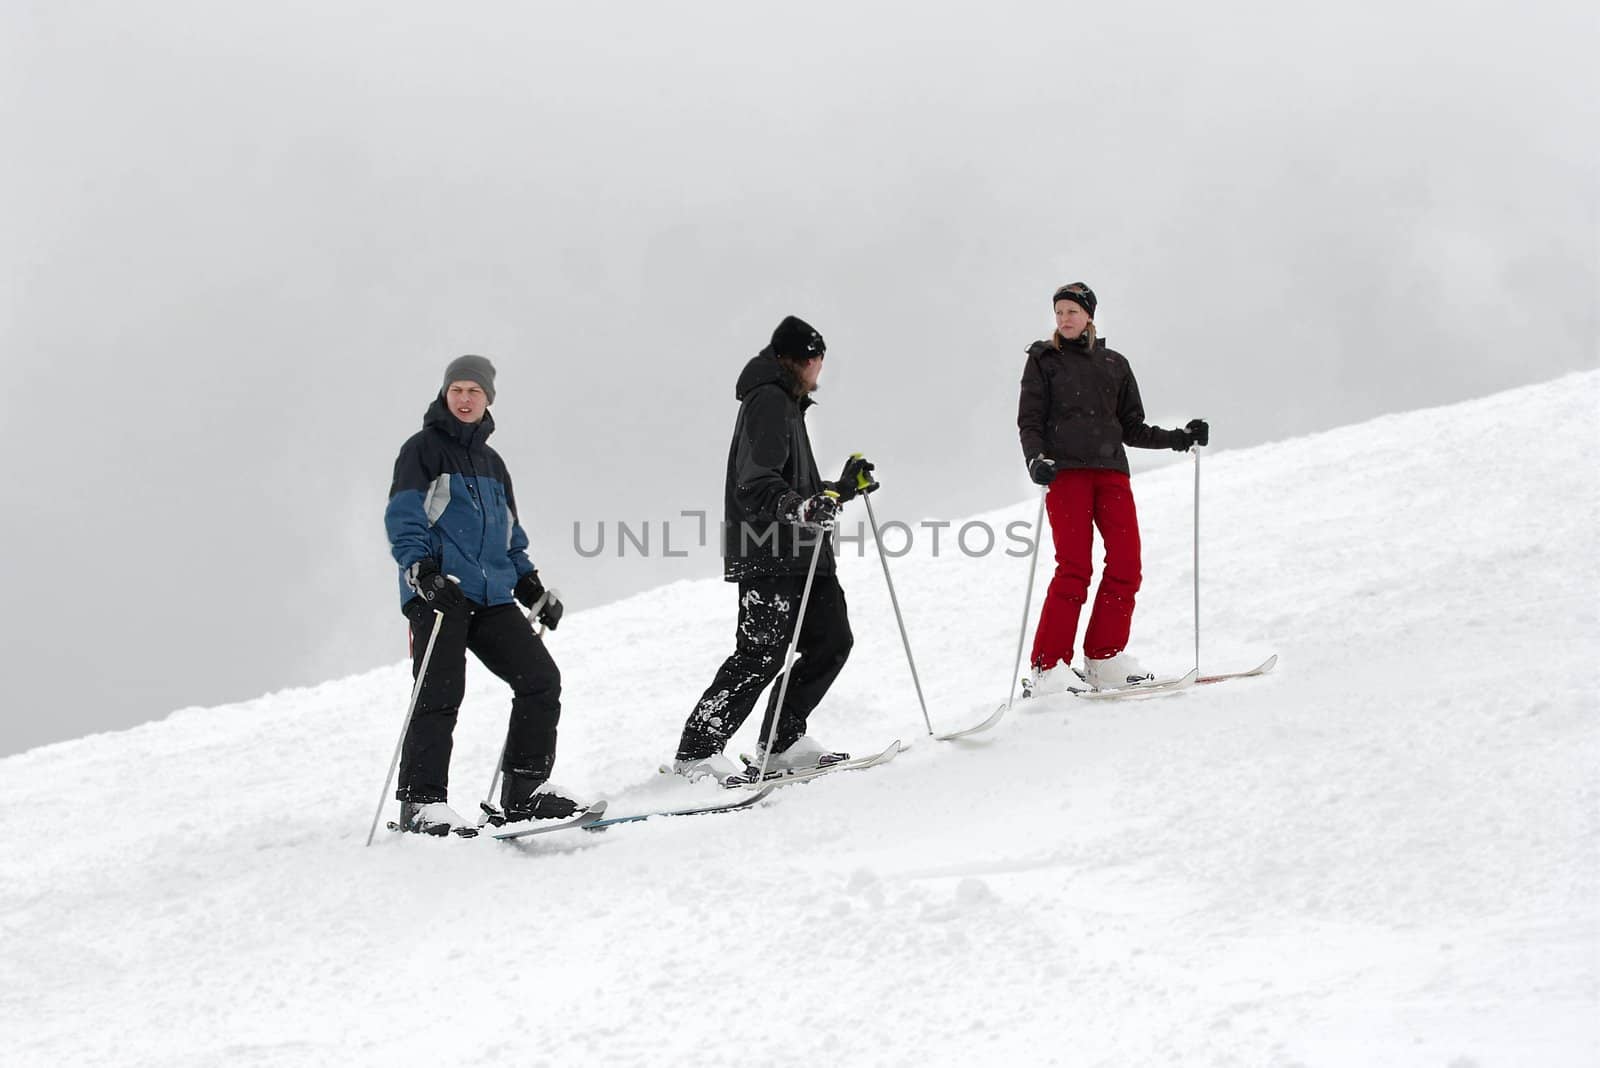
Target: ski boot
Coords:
[(716, 766), (803, 754), (1116, 672), (528, 794), (1044, 682), (432, 817)]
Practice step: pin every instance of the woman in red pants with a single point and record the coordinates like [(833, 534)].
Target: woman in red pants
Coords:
[(1080, 405)]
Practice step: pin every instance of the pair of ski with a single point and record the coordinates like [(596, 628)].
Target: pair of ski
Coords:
[(753, 792), (594, 818), (1193, 678), (589, 815)]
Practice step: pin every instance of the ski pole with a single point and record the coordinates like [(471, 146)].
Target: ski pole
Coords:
[(416, 691), (788, 660), (1027, 599), (1196, 450), (494, 782), (877, 540)]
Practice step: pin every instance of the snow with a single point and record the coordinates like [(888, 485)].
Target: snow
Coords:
[(1383, 853)]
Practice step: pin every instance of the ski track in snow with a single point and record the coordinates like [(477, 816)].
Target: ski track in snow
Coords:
[(1383, 853)]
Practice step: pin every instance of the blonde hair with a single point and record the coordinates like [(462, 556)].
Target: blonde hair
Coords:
[(1086, 339)]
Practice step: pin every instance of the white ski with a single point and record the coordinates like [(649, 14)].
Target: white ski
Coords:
[(1261, 669), (1142, 689), (688, 810), (784, 778), (582, 819), (976, 729)]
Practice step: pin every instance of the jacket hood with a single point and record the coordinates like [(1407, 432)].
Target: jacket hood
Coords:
[(763, 369), (1052, 343), (438, 417)]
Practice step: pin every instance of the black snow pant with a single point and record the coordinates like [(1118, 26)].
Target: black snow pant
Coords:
[(767, 611), (501, 638)]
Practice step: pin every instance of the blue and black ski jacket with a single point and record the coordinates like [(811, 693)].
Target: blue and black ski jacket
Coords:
[(451, 499)]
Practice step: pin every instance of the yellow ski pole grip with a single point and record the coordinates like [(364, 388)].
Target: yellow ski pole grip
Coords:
[(863, 483)]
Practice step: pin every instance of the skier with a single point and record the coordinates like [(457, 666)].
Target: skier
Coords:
[(453, 529), (777, 513), (1080, 405)]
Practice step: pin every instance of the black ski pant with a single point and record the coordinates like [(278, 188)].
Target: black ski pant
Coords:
[(501, 638), (768, 608)]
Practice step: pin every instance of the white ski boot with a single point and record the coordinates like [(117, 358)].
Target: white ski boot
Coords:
[(804, 754), (1058, 679), (1116, 672), (716, 766)]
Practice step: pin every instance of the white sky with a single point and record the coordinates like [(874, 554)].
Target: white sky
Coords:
[(240, 244)]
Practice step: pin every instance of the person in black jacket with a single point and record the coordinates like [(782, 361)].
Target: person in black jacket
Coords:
[(453, 530), (1079, 406), (777, 513)]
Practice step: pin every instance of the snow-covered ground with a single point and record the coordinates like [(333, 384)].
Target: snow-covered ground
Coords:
[(1384, 853)]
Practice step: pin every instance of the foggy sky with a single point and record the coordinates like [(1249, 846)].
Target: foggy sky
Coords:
[(240, 245)]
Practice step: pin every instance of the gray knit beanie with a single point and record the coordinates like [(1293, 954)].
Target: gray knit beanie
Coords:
[(471, 369)]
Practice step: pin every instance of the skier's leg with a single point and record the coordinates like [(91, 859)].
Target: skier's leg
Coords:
[(767, 608), (1070, 504), (503, 640), (425, 754), (1118, 522), (824, 646)]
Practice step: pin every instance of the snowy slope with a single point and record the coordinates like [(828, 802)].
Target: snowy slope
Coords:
[(1384, 853)]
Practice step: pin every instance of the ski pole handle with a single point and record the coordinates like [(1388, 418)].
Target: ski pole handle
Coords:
[(863, 483), (533, 611)]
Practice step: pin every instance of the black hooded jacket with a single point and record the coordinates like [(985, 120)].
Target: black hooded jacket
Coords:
[(769, 459), (1080, 404)]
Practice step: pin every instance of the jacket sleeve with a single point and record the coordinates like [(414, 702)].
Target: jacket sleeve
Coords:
[(1130, 412), (517, 548), (406, 518), (1033, 407), (761, 453)]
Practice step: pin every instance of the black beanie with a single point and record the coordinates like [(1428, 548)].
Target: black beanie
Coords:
[(1079, 293), (471, 369), (795, 339)]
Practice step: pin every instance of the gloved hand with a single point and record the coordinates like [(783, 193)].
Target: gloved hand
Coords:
[(849, 484), (550, 614), (1196, 432), (818, 510), (530, 589), (436, 590), (1042, 470)]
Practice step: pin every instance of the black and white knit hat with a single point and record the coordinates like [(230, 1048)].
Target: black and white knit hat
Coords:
[(1079, 293)]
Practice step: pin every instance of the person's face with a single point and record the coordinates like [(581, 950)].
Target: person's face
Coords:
[(1071, 319), (467, 401), (809, 371)]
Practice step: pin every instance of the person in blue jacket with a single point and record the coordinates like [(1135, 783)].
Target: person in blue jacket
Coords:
[(453, 529)]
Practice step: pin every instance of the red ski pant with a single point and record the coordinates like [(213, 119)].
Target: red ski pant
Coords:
[(1078, 502)]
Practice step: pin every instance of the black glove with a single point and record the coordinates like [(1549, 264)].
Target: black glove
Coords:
[(1042, 470), (529, 589), (819, 510), (1195, 433), (436, 590), (856, 470)]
